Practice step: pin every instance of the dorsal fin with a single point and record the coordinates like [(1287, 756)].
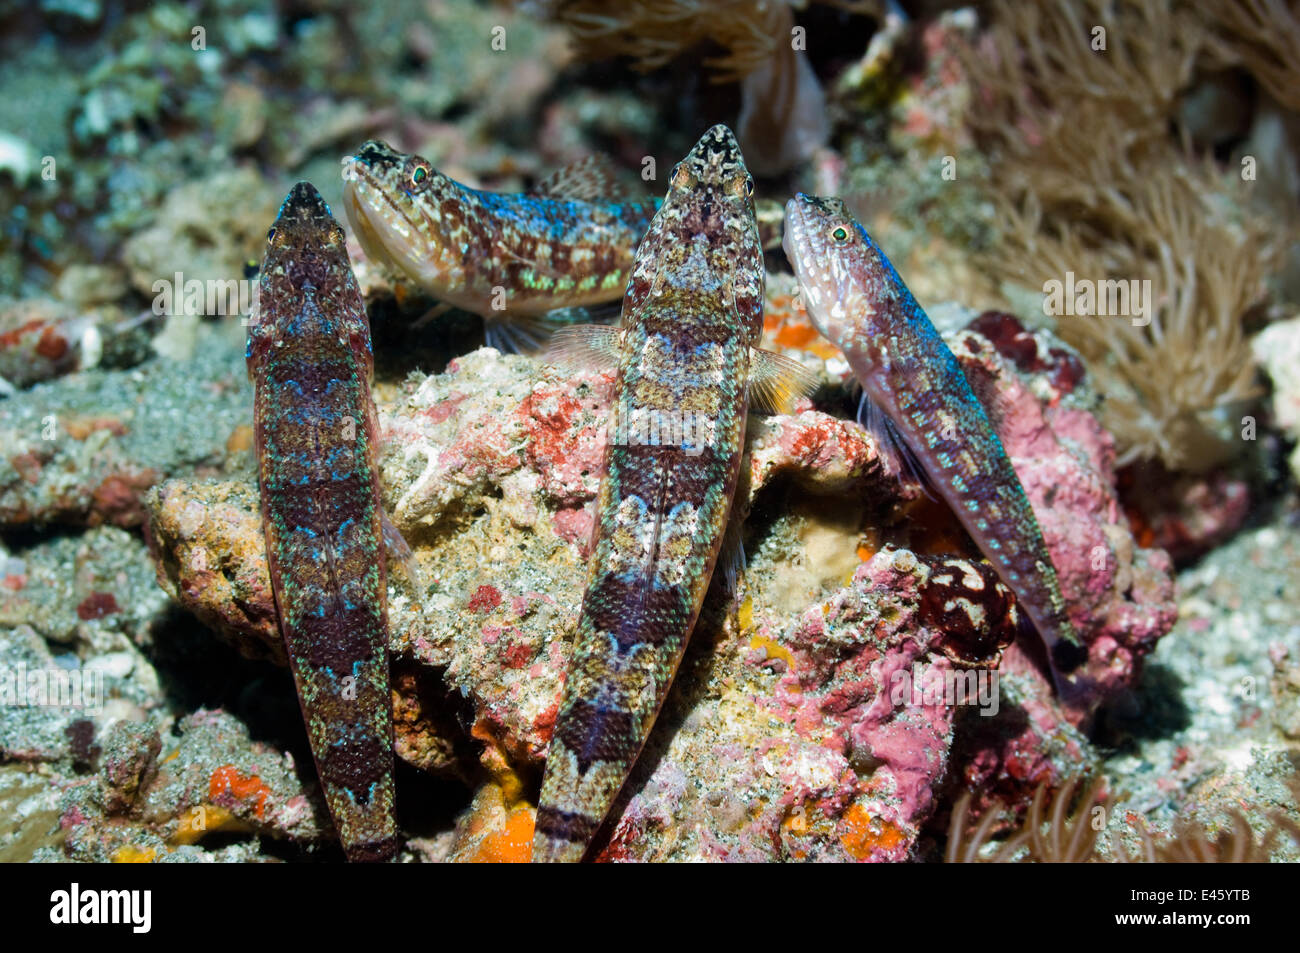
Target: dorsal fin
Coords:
[(589, 179)]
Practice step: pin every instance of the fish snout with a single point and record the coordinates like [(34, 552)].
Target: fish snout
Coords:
[(376, 152), (303, 209)]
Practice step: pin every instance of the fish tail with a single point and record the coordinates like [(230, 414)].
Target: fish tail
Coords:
[(616, 684), (349, 724), (562, 837)]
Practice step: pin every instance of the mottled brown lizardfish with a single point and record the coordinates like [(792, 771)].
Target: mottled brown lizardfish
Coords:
[(513, 258), (687, 360), (310, 362)]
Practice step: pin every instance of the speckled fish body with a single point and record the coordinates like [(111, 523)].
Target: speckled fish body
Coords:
[(500, 255), (857, 300), (315, 430), (692, 311)]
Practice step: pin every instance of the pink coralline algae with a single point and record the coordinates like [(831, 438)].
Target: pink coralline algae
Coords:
[(564, 424), (1059, 367), (1121, 595), (836, 751), (535, 440), (825, 454), (1185, 514), (485, 599)]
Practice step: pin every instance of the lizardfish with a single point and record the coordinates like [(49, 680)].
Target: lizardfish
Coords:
[(859, 303), (315, 434), (688, 365), (513, 258)]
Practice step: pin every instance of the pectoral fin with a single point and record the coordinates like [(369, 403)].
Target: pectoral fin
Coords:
[(898, 456), (399, 551), (586, 347), (731, 559), (776, 381)]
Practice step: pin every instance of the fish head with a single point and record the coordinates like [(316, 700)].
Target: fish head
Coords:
[(404, 213), (705, 235), (306, 285), (303, 223), (305, 245), (834, 260), (714, 172)]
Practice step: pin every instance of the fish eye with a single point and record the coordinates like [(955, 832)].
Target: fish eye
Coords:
[(683, 177), (419, 173), (840, 234), (749, 186), (337, 235), (270, 234)]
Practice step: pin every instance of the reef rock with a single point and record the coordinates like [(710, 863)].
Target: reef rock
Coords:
[(144, 805), (1121, 596), (815, 713), (81, 449)]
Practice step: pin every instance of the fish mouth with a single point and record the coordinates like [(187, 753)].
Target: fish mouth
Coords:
[(801, 239), (794, 238), (367, 192), (388, 230), (806, 251)]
